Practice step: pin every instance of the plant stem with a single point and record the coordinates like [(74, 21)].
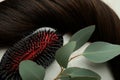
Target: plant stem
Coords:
[(62, 69), (74, 57), (58, 76)]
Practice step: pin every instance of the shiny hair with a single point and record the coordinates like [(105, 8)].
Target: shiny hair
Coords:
[(19, 17)]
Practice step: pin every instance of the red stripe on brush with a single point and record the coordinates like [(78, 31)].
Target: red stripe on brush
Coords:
[(47, 39)]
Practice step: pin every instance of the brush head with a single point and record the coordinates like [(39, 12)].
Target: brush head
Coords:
[(39, 47)]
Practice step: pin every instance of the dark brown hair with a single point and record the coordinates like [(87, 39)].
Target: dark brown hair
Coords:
[(18, 17)]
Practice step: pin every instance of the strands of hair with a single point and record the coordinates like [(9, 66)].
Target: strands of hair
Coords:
[(26, 15), (39, 47), (18, 17)]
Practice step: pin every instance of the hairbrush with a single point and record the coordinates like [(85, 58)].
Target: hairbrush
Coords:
[(40, 47)]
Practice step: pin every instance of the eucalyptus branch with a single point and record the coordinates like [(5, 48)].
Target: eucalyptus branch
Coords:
[(58, 76)]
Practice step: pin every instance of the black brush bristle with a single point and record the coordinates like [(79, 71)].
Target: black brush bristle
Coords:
[(39, 47)]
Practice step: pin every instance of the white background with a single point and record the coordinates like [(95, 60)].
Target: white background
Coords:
[(101, 69)]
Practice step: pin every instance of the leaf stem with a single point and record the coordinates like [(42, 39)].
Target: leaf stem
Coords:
[(62, 69), (74, 57), (58, 76)]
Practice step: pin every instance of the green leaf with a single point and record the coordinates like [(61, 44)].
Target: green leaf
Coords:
[(84, 78), (82, 36), (65, 78), (99, 52), (75, 73), (29, 70), (63, 54)]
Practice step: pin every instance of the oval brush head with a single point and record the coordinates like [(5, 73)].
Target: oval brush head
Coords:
[(39, 47)]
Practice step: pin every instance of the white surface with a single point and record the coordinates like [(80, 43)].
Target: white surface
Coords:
[(101, 69), (2, 51), (1, 0), (114, 4)]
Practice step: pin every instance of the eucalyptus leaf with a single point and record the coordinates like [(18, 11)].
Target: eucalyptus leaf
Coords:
[(63, 54), (99, 52), (83, 78), (82, 36), (75, 73), (65, 78), (29, 70)]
